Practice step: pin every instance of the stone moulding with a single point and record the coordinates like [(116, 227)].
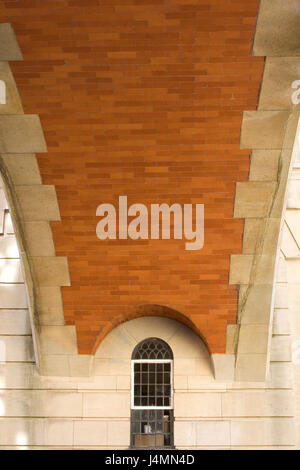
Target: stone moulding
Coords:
[(270, 132), (255, 269), (33, 206)]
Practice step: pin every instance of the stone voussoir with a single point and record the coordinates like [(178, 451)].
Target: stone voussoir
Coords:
[(9, 48), (21, 134), (51, 271)]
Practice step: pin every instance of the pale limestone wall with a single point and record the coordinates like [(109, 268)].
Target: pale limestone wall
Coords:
[(71, 412), (290, 249), (75, 413), (208, 413)]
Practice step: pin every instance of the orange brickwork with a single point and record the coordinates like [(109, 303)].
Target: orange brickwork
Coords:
[(142, 98)]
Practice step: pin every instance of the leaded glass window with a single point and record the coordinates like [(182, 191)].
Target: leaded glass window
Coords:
[(152, 395)]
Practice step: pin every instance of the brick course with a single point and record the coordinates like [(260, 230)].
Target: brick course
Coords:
[(142, 98)]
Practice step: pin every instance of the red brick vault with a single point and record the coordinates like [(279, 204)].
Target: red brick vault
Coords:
[(142, 98)]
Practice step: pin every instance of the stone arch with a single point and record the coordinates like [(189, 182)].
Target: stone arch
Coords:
[(192, 364), (152, 310), (55, 344), (271, 133), (190, 353), (33, 206)]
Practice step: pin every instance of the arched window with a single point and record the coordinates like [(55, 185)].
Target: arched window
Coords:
[(152, 395)]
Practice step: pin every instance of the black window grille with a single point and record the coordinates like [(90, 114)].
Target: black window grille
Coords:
[(152, 348)]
